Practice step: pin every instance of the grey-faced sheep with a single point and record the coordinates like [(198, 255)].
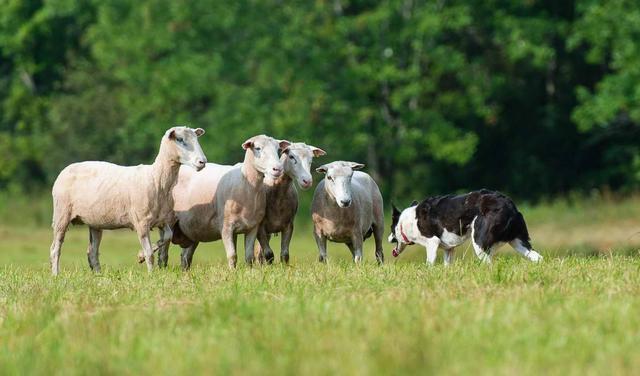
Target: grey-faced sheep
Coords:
[(282, 199), (347, 208), (222, 201)]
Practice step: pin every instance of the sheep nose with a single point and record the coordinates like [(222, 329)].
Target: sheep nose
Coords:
[(345, 203), (277, 171), (200, 163), (306, 182)]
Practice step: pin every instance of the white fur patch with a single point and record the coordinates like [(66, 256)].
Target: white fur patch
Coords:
[(451, 239), (524, 251)]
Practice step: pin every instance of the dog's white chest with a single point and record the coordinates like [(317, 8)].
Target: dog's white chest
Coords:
[(450, 239)]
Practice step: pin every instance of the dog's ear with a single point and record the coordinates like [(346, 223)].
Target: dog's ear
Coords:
[(413, 203), (394, 210)]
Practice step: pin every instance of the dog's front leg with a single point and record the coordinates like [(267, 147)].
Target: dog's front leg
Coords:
[(432, 249)]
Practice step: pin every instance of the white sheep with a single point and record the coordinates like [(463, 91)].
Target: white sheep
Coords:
[(282, 199), (107, 196), (347, 208), (223, 201)]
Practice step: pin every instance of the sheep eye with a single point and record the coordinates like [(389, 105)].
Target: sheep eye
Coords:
[(180, 140), (257, 148), (330, 178)]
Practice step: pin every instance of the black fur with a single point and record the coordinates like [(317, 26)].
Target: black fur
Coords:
[(498, 219)]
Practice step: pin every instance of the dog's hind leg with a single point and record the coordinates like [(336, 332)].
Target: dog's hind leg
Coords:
[(478, 239), (524, 248), (448, 256)]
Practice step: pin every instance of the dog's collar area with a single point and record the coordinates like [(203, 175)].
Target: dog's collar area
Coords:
[(404, 236)]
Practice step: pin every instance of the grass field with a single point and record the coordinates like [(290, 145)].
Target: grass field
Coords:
[(576, 313)]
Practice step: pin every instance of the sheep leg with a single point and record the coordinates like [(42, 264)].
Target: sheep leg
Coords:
[(163, 246), (95, 236), (187, 256), (59, 231), (378, 234), (351, 249), (321, 241), (265, 253), (287, 233), (249, 243), (228, 239), (356, 243), (145, 242)]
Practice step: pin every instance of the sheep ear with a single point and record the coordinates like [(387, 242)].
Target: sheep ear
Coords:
[(172, 134), (322, 169), (356, 166), (284, 144), (199, 131), (248, 144), (317, 152)]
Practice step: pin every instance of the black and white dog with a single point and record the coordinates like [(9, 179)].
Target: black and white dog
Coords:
[(491, 219)]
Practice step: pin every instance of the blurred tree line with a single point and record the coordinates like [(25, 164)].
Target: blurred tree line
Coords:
[(534, 98)]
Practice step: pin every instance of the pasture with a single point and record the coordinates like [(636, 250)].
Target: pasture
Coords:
[(577, 312)]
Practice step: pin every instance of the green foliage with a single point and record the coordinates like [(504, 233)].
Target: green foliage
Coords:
[(432, 96), (611, 31)]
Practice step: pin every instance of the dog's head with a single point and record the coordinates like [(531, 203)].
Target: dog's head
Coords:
[(396, 235), (395, 218)]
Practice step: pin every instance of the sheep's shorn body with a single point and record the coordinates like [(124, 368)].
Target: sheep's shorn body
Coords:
[(282, 199), (106, 196), (223, 201), (347, 208)]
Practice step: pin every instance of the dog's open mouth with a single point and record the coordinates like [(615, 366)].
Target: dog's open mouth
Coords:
[(396, 251)]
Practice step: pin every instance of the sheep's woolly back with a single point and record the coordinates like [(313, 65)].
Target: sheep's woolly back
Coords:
[(108, 196)]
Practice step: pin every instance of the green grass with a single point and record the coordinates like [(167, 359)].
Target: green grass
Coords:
[(571, 314)]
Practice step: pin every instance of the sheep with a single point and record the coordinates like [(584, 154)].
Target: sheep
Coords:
[(223, 201), (106, 196), (347, 208), (282, 199)]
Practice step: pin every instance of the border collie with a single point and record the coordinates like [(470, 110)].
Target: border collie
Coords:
[(489, 217)]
